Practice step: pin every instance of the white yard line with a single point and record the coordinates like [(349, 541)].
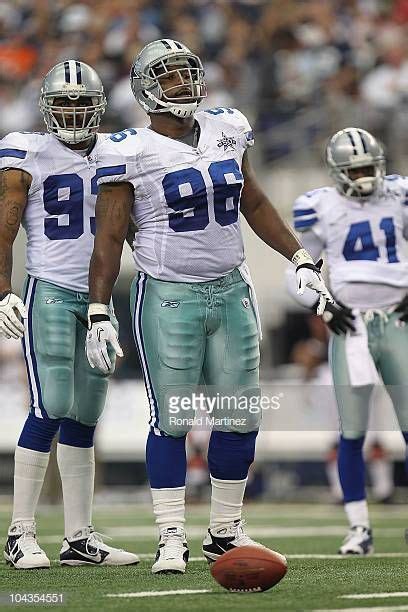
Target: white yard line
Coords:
[(160, 593), (197, 531), (375, 595), (151, 556), (376, 609)]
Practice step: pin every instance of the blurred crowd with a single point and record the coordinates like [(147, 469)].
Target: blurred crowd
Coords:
[(299, 69)]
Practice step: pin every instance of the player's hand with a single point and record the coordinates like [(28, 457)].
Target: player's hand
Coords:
[(308, 275), (339, 318), (10, 324), (100, 334), (403, 309)]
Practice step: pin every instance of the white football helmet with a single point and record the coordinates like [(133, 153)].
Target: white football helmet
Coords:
[(350, 149), (72, 82), (168, 57)]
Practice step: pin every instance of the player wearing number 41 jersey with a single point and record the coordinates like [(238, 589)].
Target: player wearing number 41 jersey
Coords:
[(185, 179), (362, 225), (48, 183)]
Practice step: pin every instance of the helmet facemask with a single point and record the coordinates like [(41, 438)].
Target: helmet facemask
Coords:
[(356, 163), (174, 84), (360, 187), (73, 123)]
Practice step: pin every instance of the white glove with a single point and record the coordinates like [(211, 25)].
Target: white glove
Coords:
[(10, 324), (308, 275), (101, 333)]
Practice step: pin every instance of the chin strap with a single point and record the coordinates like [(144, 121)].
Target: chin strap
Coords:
[(179, 110)]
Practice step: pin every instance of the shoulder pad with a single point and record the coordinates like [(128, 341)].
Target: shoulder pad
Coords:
[(14, 146), (233, 117)]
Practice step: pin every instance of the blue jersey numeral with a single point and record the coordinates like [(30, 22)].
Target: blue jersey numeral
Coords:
[(226, 195), (72, 205), (360, 234), (186, 193), (387, 226), (219, 111), (119, 136)]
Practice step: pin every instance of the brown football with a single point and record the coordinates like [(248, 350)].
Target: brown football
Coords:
[(249, 569)]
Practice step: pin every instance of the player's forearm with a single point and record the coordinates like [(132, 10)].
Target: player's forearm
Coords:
[(268, 225), (14, 186), (112, 224), (103, 272), (6, 266)]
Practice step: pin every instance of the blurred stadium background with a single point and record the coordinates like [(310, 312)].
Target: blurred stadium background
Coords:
[(300, 70)]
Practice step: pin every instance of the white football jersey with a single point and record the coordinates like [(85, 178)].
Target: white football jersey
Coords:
[(363, 241), (187, 199), (59, 217)]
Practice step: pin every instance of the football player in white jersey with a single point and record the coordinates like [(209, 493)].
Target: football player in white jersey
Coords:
[(362, 225), (48, 183), (185, 179)]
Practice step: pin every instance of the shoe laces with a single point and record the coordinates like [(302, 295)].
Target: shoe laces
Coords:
[(95, 539), (242, 538), (355, 532), (27, 542), (173, 545)]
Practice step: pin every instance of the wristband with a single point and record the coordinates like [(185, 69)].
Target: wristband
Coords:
[(98, 309), (302, 257)]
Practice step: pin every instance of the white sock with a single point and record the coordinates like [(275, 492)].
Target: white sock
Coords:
[(29, 472), (169, 507), (226, 501), (77, 471), (357, 513)]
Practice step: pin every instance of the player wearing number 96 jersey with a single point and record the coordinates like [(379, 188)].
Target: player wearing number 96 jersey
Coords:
[(362, 225), (185, 179), (48, 183)]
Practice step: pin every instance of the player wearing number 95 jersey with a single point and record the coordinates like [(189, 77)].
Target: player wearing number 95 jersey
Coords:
[(185, 180), (48, 183), (362, 225)]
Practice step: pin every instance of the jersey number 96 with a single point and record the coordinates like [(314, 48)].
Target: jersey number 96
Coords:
[(186, 193)]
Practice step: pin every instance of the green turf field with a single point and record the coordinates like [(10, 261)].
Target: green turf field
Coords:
[(307, 534)]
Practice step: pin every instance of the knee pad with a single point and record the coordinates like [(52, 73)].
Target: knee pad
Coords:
[(37, 433), (176, 411), (73, 433), (57, 391)]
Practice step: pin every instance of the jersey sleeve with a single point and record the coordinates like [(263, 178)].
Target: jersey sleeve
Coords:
[(307, 214), (243, 126), (115, 159), (15, 153)]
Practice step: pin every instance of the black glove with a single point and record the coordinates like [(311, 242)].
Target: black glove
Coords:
[(339, 318), (403, 309)]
